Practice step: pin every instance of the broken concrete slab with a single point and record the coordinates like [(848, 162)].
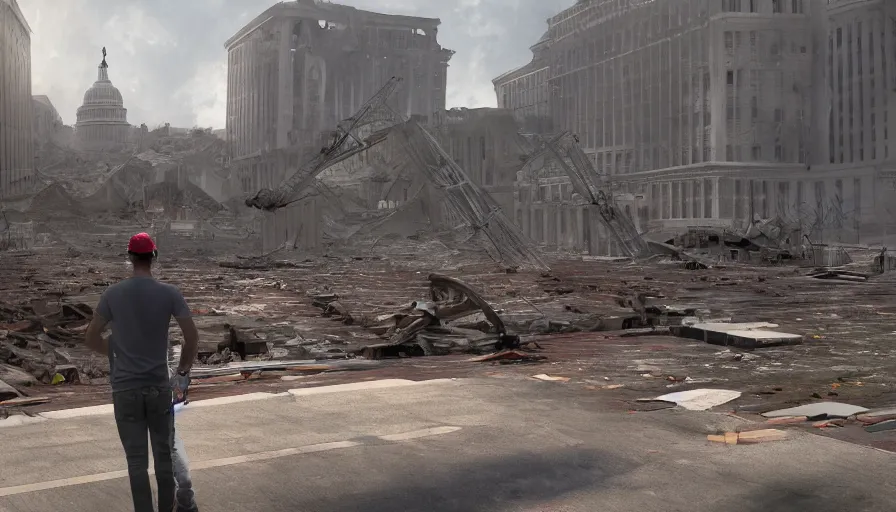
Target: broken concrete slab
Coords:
[(700, 399), (883, 426), (818, 411), (16, 377), (550, 378), (742, 335), (877, 415), (7, 392)]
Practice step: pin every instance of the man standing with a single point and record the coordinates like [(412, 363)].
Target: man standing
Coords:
[(140, 310)]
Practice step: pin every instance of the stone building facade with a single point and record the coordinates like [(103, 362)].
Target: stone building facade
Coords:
[(47, 121), (525, 90), (715, 113), (300, 67), (102, 120), (16, 117), (486, 143)]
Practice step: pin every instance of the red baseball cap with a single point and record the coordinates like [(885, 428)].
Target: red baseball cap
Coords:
[(141, 243)]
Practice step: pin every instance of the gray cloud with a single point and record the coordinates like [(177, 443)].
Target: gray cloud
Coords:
[(168, 60)]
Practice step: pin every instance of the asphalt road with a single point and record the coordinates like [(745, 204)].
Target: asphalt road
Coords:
[(465, 445)]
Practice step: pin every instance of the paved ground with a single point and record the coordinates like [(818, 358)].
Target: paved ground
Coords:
[(465, 445)]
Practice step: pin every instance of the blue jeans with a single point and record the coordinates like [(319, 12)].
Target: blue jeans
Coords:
[(139, 412), (181, 464)]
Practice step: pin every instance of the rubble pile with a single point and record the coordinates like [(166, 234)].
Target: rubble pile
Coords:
[(42, 343), (455, 319)]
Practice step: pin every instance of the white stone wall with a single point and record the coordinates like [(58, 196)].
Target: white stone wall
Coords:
[(16, 108)]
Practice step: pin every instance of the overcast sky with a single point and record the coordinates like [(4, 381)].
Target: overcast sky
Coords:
[(167, 56)]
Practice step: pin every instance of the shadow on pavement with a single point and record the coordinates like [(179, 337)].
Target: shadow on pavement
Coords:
[(516, 479), (836, 494)]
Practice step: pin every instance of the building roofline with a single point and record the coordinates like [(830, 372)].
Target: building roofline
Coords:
[(18, 12), (326, 11), (530, 67)]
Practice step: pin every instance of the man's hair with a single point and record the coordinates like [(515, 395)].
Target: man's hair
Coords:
[(145, 258)]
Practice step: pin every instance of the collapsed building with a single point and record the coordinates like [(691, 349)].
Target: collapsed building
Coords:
[(299, 68)]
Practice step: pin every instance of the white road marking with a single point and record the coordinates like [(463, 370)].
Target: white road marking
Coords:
[(416, 434), (227, 461)]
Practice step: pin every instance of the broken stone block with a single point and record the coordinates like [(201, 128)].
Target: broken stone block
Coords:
[(7, 392), (16, 377), (742, 335)]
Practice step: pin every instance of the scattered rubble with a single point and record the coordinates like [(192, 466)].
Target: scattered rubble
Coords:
[(818, 411), (455, 319)]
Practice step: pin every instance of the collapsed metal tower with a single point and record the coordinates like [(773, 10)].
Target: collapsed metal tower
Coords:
[(576, 164), (470, 203)]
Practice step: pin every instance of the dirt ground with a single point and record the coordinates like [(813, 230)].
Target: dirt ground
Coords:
[(847, 327)]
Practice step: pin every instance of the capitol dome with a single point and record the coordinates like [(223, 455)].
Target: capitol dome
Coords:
[(102, 119)]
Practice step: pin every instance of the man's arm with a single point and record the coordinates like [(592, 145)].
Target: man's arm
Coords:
[(190, 348), (94, 336)]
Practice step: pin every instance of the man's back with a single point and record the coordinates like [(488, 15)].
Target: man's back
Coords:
[(140, 310)]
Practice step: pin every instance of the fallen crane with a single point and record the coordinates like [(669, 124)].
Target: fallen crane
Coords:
[(346, 144), (582, 174), (470, 203)]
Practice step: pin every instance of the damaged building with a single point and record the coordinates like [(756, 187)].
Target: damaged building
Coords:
[(526, 92), (717, 113), (485, 142), (299, 68), (16, 117)]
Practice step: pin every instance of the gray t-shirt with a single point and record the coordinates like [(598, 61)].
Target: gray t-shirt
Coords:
[(140, 311)]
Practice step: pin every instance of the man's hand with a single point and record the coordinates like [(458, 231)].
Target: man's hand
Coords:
[(180, 382)]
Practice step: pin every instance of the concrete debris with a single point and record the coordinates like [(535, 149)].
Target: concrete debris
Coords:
[(877, 415), (550, 378), (454, 319), (509, 356), (7, 392), (818, 411), (742, 335), (700, 399), (235, 372), (838, 275), (884, 426)]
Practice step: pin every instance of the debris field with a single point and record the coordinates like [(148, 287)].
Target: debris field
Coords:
[(620, 327)]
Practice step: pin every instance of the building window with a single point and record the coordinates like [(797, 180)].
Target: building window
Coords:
[(797, 6), (757, 152), (776, 6), (731, 5), (729, 42), (779, 153), (752, 5)]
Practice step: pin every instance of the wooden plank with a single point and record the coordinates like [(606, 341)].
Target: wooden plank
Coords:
[(25, 400)]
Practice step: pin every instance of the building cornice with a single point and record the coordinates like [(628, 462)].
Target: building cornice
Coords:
[(331, 12)]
